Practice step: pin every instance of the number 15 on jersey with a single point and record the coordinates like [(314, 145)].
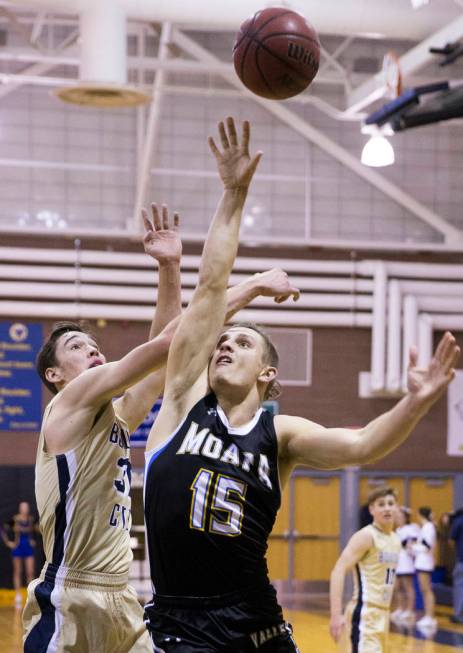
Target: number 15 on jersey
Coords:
[(217, 503)]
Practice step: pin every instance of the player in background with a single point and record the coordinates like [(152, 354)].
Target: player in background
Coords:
[(404, 592), (19, 537), (371, 554), (425, 551)]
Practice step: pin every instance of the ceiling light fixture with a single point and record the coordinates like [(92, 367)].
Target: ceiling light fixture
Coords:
[(378, 152)]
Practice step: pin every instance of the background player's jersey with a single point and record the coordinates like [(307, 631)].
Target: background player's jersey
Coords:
[(424, 548), (408, 535), (211, 497), (374, 574), (83, 498)]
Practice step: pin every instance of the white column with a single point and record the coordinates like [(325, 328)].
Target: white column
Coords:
[(103, 43)]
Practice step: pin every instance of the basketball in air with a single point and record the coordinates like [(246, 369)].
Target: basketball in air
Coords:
[(276, 53)]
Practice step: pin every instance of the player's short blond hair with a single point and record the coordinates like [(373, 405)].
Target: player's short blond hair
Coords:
[(382, 491)]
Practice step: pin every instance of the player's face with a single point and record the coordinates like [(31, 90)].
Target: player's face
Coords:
[(238, 359), (383, 511), (75, 353), (23, 508)]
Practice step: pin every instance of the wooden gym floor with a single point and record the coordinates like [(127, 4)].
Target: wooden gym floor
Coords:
[(310, 630)]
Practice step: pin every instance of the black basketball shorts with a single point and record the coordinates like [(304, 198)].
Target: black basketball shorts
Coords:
[(198, 625)]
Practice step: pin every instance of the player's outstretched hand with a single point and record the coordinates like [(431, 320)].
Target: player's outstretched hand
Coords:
[(236, 167), (276, 283), (337, 625), (161, 240), (427, 384)]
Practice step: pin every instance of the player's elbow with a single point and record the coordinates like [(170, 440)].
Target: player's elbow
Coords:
[(359, 452)]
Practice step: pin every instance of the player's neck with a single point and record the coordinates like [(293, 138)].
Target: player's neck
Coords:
[(384, 528), (239, 412)]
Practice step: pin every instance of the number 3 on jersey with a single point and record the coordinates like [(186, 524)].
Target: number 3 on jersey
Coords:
[(123, 483), (227, 499)]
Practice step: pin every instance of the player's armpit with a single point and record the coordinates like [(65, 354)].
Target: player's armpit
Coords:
[(164, 421), (137, 401)]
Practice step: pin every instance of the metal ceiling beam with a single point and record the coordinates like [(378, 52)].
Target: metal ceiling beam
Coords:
[(294, 121), (391, 19), (375, 88), (152, 128), (37, 69), (179, 65)]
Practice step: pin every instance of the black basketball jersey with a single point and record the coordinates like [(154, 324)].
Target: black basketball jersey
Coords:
[(211, 497)]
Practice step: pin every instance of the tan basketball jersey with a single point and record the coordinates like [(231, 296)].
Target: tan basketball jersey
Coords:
[(374, 574), (83, 498)]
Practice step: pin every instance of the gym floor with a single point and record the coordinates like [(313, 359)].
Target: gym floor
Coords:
[(310, 630)]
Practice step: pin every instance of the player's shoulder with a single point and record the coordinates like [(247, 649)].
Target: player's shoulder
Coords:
[(396, 538), (364, 538), (171, 420), (287, 425)]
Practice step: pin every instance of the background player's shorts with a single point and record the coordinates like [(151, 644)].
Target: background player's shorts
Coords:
[(98, 615), (367, 630), (242, 627)]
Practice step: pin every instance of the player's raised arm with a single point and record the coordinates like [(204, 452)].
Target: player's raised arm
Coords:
[(162, 242), (302, 441), (201, 322), (271, 283)]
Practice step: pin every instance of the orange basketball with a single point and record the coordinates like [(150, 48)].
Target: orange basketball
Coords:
[(276, 53)]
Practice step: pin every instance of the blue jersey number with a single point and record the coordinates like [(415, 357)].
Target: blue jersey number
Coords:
[(122, 484)]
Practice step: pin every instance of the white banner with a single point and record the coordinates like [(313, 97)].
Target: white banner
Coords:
[(455, 416)]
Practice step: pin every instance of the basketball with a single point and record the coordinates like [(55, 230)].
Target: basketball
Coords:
[(276, 53)]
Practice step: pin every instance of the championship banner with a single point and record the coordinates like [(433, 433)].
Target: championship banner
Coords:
[(20, 385), (455, 416)]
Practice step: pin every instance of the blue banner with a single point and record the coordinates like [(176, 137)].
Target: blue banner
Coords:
[(140, 436), (20, 385)]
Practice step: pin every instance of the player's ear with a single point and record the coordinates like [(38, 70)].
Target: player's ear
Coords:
[(268, 374), (53, 374)]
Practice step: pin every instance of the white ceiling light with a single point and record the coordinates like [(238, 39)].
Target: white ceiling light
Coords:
[(378, 152)]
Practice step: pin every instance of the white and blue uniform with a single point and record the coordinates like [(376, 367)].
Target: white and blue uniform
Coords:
[(408, 535), (82, 601), (367, 614), (424, 559)]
